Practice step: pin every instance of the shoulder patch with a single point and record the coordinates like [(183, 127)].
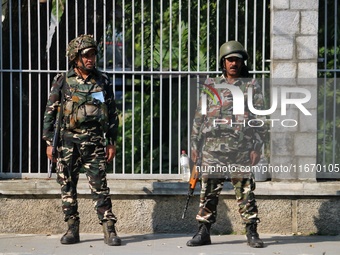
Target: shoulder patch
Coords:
[(59, 79)]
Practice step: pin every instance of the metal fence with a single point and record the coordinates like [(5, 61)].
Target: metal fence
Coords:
[(156, 52), (328, 94)]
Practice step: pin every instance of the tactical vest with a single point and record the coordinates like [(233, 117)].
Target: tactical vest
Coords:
[(84, 103), (223, 130)]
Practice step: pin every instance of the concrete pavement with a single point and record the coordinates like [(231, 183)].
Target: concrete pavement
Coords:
[(164, 244)]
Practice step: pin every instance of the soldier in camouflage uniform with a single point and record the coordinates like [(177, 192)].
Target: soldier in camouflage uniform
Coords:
[(220, 142), (87, 137)]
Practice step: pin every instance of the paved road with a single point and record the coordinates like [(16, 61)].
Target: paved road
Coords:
[(164, 244)]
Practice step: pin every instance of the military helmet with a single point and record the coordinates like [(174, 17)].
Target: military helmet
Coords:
[(78, 44), (232, 48)]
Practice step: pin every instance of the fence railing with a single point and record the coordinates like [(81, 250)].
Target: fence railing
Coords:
[(156, 53), (328, 94)]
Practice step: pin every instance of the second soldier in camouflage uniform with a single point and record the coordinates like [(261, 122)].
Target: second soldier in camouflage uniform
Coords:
[(88, 133), (226, 141)]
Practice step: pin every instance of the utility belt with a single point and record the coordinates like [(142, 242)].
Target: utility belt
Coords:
[(219, 133)]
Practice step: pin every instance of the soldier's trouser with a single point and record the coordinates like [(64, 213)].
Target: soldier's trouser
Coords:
[(211, 187), (92, 159)]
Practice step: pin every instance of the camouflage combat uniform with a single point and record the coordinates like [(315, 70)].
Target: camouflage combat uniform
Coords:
[(227, 145), (84, 136)]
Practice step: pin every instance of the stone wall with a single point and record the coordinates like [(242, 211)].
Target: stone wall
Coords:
[(147, 206), (294, 52)]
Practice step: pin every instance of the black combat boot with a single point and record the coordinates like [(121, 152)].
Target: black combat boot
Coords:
[(252, 236), (72, 234), (202, 237), (110, 235)]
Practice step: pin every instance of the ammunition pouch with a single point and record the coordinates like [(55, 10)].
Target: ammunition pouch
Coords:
[(221, 143), (85, 112), (82, 106)]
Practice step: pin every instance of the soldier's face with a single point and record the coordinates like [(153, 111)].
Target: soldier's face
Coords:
[(88, 59), (233, 66)]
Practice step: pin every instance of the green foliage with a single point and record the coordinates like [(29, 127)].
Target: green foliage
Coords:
[(58, 10), (171, 36), (134, 128)]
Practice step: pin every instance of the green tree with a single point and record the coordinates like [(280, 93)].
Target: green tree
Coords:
[(171, 36)]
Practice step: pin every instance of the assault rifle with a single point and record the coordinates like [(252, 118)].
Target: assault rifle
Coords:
[(55, 142), (192, 184), (56, 135)]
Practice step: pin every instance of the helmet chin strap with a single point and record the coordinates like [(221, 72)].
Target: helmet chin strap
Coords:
[(83, 67), (224, 69)]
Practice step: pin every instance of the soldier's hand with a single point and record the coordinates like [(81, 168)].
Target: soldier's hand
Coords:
[(49, 150), (110, 152), (254, 157), (194, 155)]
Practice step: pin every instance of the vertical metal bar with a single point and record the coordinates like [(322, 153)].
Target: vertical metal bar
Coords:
[(254, 38), (95, 20), (263, 49), (179, 83), (263, 41), (142, 95), (105, 27), (133, 102), (325, 88), (161, 91), (47, 30), (170, 88), (85, 16), (189, 68), (246, 26), (124, 91), (76, 17), (133, 66), (11, 86), (47, 55), (67, 30), (1, 98), (105, 43), (30, 89), (57, 36), (198, 38), (227, 21), (152, 89), (198, 32), (20, 85), (208, 35), (217, 34), (334, 142), (39, 88), (236, 20)]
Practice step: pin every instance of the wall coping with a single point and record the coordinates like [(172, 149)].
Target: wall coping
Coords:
[(167, 187)]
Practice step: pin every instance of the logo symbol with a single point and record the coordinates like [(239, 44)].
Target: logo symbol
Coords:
[(208, 89), (239, 99)]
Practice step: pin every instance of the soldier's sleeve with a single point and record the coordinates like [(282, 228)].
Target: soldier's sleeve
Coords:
[(111, 134), (196, 134), (260, 131), (196, 127), (51, 110)]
